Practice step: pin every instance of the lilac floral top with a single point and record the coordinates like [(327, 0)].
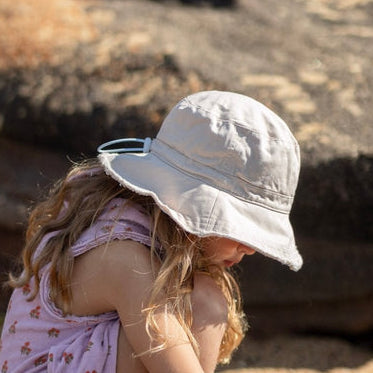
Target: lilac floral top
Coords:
[(36, 337)]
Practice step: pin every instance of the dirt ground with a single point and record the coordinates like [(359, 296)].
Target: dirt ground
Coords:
[(300, 354)]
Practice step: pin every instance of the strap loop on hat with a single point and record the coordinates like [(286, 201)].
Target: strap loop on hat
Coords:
[(145, 149)]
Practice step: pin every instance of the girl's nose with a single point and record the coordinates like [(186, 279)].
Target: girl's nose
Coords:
[(246, 250)]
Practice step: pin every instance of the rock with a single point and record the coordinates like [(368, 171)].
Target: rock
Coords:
[(32, 32), (214, 3), (332, 293), (115, 75), (50, 106), (335, 199), (31, 169)]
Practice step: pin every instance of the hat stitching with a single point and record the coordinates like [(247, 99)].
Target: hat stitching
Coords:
[(212, 209), (282, 211), (258, 187)]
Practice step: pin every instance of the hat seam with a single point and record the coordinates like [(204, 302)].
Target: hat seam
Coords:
[(242, 125), (212, 209), (285, 212), (271, 191)]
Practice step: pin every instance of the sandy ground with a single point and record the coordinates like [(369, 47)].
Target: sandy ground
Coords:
[(300, 354)]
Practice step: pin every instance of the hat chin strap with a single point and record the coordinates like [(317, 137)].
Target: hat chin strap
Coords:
[(144, 149)]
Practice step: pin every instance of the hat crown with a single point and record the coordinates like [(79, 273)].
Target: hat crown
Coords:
[(233, 143)]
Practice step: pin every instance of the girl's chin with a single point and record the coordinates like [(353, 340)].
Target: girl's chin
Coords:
[(228, 263)]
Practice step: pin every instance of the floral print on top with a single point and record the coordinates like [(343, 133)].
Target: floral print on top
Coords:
[(36, 337)]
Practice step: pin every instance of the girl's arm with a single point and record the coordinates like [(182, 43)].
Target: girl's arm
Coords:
[(124, 283), (209, 319)]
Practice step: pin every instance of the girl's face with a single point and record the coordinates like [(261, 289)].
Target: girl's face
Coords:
[(225, 252)]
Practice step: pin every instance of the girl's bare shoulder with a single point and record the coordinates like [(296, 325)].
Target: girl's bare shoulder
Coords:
[(103, 273)]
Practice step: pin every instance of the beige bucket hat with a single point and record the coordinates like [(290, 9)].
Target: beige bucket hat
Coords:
[(222, 164)]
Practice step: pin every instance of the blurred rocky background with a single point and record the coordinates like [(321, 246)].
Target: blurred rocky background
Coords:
[(75, 73)]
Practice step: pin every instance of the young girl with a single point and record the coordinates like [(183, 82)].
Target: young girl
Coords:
[(126, 266)]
